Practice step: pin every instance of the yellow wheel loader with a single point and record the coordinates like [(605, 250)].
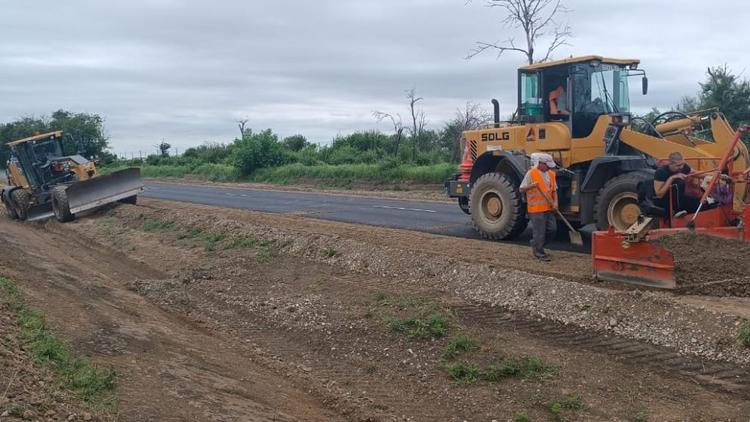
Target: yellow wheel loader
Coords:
[(42, 182), (578, 110)]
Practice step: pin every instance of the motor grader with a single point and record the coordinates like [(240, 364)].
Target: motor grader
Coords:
[(42, 181), (603, 152)]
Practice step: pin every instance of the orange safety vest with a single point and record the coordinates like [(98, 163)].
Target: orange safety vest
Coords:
[(534, 199)]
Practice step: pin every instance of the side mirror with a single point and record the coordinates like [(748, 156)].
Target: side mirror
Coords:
[(644, 85)]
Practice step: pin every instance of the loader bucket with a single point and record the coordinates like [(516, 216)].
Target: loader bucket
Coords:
[(636, 263), (102, 190)]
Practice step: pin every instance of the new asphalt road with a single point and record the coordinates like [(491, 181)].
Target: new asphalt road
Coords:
[(424, 216)]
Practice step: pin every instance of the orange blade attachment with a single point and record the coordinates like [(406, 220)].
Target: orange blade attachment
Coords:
[(635, 263)]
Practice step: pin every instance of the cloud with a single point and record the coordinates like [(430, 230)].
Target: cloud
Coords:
[(186, 70)]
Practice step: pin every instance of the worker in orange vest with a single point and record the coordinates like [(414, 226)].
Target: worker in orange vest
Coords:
[(538, 181)]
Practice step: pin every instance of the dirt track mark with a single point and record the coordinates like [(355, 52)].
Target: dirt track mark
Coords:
[(720, 376)]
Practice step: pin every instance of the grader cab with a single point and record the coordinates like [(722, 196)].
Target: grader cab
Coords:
[(578, 110)]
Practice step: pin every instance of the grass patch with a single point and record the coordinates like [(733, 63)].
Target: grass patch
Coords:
[(209, 171), (209, 239), (743, 334), (527, 367), (521, 417), (421, 326), (159, 226), (267, 249), (242, 243), (463, 372), (90, 383), (335, 174), (382, 299), (641, 416), (572, 403), (458, 346), (330, 252), (411, 302)]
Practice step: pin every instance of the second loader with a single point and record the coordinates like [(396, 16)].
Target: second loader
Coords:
[(43, 182)]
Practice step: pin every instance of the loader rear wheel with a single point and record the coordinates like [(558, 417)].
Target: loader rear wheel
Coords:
[(617, 202), (60, 205), (497, 211), (21, 203)]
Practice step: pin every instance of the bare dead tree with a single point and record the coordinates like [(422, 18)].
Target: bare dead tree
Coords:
[(471, 117), (537, 20), (418, 119), (241, 124), (398, 125), (417, 116)]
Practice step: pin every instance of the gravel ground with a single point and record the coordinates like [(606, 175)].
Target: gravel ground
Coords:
[(657, 317)]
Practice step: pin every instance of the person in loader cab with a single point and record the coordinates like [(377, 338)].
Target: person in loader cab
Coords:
[(540, 186), (558, 103), (673, 177)]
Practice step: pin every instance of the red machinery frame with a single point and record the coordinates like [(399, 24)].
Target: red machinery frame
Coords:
[(623, 257)]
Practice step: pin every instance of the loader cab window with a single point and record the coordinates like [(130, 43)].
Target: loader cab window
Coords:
[(530, 100), (597, 89)]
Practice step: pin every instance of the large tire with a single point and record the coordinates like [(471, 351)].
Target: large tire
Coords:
[(496, 207), (60, 205), (10, 209), (617, 202), (132, 200), (21, 203)]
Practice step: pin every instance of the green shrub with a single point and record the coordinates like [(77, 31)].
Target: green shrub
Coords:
[(463, 372), (459, 345), (257, 151), (744, 333)]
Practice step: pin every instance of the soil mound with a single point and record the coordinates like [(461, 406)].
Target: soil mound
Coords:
[(709, 261)]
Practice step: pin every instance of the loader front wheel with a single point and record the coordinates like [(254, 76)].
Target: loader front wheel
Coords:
[(60, 205), (21, 203), (617, 202), (497, 211)]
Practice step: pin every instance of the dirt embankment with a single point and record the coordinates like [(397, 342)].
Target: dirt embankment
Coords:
[(28, 392)]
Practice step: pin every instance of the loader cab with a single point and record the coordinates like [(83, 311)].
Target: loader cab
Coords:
[(582, 89)]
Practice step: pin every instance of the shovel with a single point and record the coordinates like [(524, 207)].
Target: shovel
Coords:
[(575, 237)]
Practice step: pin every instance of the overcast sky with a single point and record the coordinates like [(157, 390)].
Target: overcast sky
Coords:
[(186, 71)]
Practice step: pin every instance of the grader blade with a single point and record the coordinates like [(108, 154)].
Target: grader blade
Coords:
[(40, 212), (102, 190)]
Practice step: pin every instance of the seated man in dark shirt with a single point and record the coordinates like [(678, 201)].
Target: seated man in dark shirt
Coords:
[(672, 177)]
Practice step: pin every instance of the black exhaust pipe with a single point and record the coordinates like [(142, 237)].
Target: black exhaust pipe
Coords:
[(496, 108)]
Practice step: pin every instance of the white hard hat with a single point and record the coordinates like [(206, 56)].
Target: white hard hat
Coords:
[(542, 157)]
